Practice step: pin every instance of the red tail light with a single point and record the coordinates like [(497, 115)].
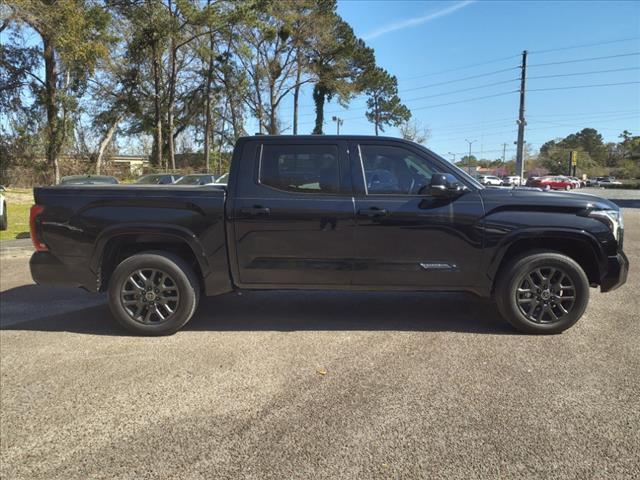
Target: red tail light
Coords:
[(37, 243)]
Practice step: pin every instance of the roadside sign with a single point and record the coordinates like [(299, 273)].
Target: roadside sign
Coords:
[(574, 158)]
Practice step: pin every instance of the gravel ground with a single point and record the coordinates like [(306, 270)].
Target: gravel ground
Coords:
[(302, 385)]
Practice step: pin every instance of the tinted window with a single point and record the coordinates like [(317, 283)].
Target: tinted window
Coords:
[(195, 180), (154, 179), (394, 170), (300, 168)]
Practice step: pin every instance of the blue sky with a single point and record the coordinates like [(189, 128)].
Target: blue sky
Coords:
[(433, 46), (417, 41)]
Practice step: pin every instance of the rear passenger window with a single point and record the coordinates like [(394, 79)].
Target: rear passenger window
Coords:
[(300, 168)]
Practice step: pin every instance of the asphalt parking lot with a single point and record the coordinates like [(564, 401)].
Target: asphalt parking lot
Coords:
[(298, 385)]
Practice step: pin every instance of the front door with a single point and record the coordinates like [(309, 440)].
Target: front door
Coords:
[(294, 220), (405, 237)]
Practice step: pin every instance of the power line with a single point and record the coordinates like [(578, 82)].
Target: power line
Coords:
[(466, 132), (456, 69), (465, 100), (482, 134), (496, 83), (584, 59), (430, 96), (485, 151), (502, 59), (459, 79), (584, 45), (440, 104), (582, 86), (461, 90), (483, 122), (612, 119), (581, 114), (583, 73)]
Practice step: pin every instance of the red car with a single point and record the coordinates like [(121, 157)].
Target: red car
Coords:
[(554, 183)]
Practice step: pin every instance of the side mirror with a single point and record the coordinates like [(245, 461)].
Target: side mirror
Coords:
[(445, 185)]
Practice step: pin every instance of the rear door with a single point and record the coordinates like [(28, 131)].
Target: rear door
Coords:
[(293, 214), (405, 237)]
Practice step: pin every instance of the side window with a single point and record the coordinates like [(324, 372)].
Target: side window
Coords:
[(394, 170), (300, 168)]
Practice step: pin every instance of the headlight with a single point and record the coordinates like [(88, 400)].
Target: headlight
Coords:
[(613, 218)]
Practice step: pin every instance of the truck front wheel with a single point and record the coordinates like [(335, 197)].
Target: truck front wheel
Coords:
[(153, 293), (543, 292)]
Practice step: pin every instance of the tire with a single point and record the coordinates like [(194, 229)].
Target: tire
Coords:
[(153, 293), (567, 187), (522, 308), (3, 218)]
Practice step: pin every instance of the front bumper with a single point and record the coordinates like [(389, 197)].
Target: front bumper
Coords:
[(617, 271)]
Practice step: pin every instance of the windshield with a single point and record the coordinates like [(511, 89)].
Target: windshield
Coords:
[(223, 179), (87, 180), (150, 179), (194, 180)]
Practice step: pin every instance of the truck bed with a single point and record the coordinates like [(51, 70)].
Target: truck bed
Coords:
[(81, 223)]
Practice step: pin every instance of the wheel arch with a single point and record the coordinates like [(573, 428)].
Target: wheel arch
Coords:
[(114, 245), (577, 245)]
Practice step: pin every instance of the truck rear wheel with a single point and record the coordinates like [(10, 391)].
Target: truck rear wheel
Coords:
[(153, 293), (543, 293)]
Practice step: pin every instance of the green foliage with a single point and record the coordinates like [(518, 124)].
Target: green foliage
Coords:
[(18, 220), (595, 158), (467, 160), (384, 104), (337, 59), (73, 38)]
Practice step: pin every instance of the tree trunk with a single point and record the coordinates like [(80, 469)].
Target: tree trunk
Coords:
[(318, 99), (157, 140), (273, 120), (376, 116), (235, 122), (173, 54), (207, 127), (220, 144), (207, 103), (296, 93), (106, 140), (53, 129), (172, 99)]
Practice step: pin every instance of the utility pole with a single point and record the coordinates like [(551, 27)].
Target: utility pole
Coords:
[(454, 156), (504, 153), (339, 121), (521, 120), (469, 157)]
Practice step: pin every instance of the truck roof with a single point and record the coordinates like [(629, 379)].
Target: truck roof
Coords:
[(324, 137)]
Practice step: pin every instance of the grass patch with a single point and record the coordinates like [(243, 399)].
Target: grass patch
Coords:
[(18, 217)]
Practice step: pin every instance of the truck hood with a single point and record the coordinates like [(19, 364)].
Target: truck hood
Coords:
[(540, 199)]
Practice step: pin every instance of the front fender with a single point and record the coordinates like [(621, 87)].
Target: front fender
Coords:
[(548, 234)]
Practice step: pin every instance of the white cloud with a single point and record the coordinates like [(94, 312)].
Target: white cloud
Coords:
[(412, 22)]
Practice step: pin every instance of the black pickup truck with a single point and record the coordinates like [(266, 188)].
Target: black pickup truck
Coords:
[(329, 212)]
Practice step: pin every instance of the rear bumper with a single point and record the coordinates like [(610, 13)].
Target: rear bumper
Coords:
[(617, 271), (47, 269)]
